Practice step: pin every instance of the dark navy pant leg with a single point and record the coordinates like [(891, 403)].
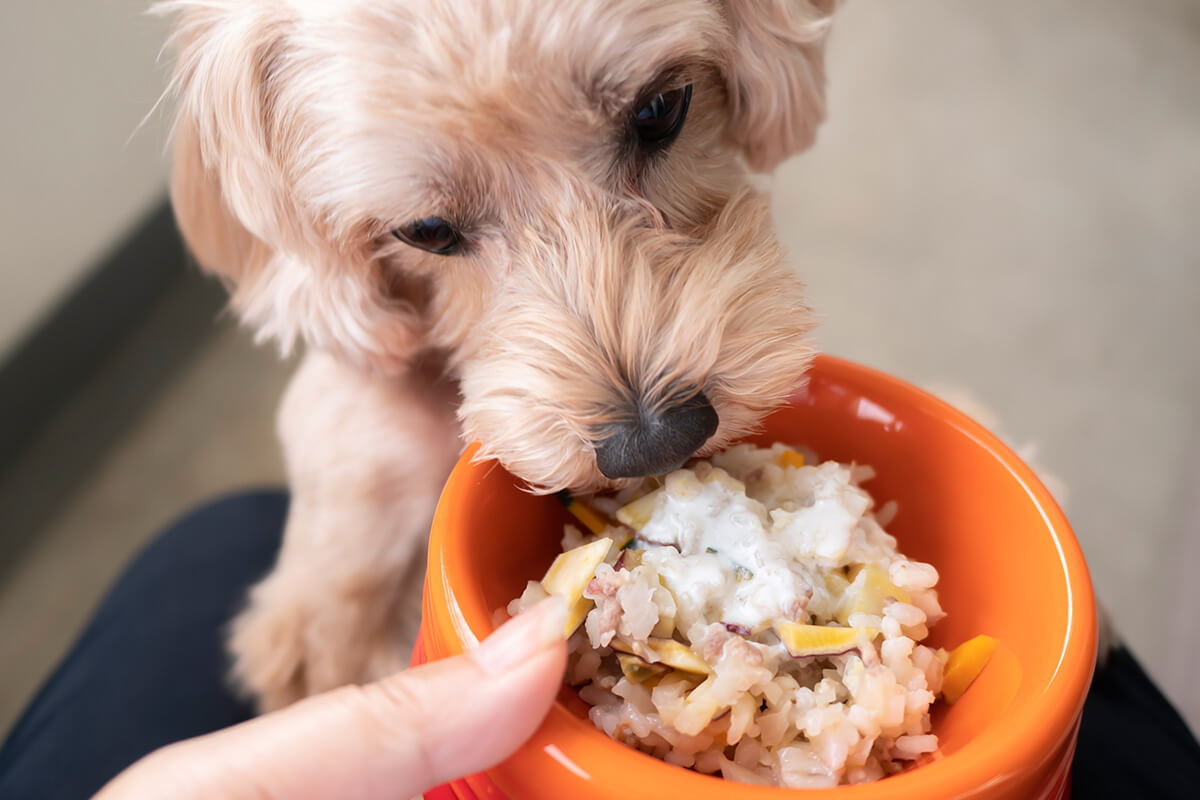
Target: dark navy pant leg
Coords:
[(150, 667), (1132, 741)]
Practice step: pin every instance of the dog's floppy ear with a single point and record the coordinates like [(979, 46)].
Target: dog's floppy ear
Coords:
[(776, 76), (237, 140), (220, 243), (225, 185)]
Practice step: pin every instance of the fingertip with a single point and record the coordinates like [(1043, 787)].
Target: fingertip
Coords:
[(530, 684), (530, 632)]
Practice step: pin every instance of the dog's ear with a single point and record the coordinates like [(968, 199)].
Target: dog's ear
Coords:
[(220, 243), (236, 141), (776, 76), (225, 185)]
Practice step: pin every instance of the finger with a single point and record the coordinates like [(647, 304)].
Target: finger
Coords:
[(391, 739)]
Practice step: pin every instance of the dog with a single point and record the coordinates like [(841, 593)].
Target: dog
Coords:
[(525, 223)]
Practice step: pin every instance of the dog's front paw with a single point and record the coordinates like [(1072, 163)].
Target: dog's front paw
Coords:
[(267, 646), (298, 638)]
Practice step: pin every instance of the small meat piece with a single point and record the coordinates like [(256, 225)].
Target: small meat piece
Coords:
[(713, 643), (603, 620), (742, 651), (798, 610)]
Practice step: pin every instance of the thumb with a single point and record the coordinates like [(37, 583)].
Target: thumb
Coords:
[(390, 739)]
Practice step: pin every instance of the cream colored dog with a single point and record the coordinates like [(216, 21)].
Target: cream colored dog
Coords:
[(525, 222)]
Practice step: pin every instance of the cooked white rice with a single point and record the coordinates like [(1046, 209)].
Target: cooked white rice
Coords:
[(734, 548)]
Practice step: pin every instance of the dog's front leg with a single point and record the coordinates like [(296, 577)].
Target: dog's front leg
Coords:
[(367, 457)]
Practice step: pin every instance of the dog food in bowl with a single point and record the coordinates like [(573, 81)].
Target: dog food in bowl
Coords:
[(750, 617)]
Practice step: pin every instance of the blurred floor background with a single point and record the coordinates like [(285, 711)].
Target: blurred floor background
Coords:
[(1006, 200)]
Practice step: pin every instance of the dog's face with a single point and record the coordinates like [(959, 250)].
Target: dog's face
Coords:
[(553, 195)]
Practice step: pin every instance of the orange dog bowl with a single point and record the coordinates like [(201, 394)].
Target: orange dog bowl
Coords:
[(1010, 567)]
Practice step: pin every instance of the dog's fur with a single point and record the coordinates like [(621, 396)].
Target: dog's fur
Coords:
[(308, 130)]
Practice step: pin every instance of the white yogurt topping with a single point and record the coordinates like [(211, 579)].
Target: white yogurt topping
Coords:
[(753, 538)]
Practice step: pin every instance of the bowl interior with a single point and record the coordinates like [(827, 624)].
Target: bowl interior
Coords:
[(1009, 565)]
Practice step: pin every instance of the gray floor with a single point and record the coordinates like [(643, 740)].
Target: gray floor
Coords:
[(1004, 200)]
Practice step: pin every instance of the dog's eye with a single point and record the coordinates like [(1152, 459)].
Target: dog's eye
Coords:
[(658, 121), (432, 234)]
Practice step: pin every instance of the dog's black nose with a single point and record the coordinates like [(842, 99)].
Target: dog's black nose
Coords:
[(657, 442)]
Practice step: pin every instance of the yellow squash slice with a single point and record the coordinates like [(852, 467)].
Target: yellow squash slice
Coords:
[(868, 592), (678, 656), (664, 651), (637, 513), (576, 613), (638, 670), (836, 583), (789, 458), (629, 559), (819, 640), (699, 709), (964, 665), (666, 619), (570, 574)]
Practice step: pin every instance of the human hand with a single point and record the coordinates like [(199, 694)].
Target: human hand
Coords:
[(389, 740)]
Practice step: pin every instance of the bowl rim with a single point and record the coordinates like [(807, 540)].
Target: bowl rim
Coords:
[(1034, 739)]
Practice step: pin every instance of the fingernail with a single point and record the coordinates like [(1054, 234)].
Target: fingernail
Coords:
[(525, 635)]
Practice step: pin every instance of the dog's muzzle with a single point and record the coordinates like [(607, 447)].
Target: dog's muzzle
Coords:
[(655, 443)]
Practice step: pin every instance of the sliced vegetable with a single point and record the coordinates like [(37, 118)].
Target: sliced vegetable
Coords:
[(965, 664), (665, 625), (741, 574), (699, 709), (789, 458), (622, 646), (868, 592), (803, 641), (678, 655), (576, 613), (590, 519), (664, 651), (637, 513), (639, 670), (570, 574), (666, 614), (628, 559), (836, 583)]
